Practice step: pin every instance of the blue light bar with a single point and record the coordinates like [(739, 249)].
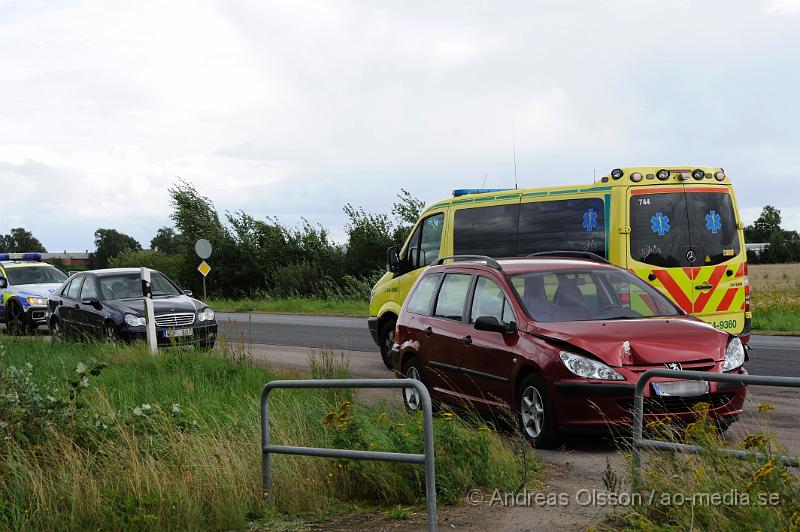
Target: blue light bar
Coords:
[(20, 256), (464, 191)]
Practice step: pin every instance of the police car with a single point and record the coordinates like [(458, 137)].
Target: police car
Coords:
[(26, 283)]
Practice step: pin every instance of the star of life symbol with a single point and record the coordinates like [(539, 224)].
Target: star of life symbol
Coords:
[(659, 223), (713, 222), (590, 220)]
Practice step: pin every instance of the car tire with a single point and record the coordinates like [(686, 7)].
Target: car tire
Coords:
[(535, 413), (411, 399), (56, 330), (386, 339), (110, 333), (16, 324)]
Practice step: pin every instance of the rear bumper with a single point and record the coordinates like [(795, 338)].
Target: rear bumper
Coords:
[(372, 325)]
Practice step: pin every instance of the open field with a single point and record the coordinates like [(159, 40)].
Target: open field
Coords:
[(775, 297), (99, 436), (295, 305)]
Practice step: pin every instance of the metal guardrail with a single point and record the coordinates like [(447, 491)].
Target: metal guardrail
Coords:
[(425, 458), (638, 412)]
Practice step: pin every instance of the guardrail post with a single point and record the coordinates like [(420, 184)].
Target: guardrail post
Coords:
[(427, 458)]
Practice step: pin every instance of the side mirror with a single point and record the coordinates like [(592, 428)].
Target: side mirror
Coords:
[(393, 259), (492, 324), (188, 293), (90, 301), (3, 282)]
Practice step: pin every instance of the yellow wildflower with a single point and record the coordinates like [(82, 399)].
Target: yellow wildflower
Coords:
[(765, 407)]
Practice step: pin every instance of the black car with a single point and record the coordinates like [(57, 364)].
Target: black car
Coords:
[(109, 304)]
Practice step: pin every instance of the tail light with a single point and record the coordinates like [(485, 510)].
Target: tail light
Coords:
[(746, 282)]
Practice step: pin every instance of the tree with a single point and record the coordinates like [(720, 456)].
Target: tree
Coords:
[(407, 211), (167, 241), (109, 243), (767, 223), (20, 240)]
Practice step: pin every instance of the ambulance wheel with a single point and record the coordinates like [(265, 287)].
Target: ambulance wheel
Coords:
[(386, 338)]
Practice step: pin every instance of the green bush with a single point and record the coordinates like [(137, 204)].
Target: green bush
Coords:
[(173, 266)]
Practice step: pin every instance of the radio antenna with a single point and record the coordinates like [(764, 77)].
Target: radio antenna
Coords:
[(594, 175), (514, 147), (485, 175)]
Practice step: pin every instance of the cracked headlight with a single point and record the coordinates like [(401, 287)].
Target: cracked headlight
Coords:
[(734, 354)]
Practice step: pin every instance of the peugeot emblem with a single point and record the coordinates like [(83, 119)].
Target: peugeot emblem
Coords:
[(674, 365), (690, 256)]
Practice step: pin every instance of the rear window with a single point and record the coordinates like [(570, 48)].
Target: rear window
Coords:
[(453, 296), (683, 229), (420, 301)]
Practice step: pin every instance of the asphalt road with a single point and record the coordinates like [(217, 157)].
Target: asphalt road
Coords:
[(771, 355)]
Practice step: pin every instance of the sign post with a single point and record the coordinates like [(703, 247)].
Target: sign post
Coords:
[(149, 313), (203, 249)]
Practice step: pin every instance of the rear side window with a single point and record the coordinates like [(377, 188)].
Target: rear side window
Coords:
[(420, 300), (75, 288), (571, 225), (488, 231), (453, 296), (713, 231)]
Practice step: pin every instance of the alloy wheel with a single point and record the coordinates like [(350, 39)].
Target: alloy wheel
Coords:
[(531, 409), (411, 395)]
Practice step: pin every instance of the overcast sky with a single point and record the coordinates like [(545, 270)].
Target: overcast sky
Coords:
[(293, 108)]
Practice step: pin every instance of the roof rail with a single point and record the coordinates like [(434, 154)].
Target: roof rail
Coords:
[(571, 254), (488, 260)]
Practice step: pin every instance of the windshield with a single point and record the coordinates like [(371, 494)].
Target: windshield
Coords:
[(683, 229), (129, 286), (34, 275), (587, 294)]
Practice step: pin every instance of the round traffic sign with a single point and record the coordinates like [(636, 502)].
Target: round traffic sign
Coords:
[(203, 248)]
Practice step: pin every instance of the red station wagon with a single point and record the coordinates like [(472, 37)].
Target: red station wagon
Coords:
[(562, 340)]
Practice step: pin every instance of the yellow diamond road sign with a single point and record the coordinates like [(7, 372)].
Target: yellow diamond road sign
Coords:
[(204, 268)]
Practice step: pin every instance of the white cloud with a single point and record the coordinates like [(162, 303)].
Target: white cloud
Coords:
[(782, 7), (293, 108)]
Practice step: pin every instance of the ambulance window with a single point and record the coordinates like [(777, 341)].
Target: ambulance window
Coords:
[(488, 231), (412, 248), (714, 235), (660, 229), (568, 225), (431, 239)]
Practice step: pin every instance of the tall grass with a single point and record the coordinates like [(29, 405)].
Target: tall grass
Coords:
[(711, 490), (172, 440)]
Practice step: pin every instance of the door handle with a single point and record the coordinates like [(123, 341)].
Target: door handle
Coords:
[(428, 331), (467, 339), (704, 286)]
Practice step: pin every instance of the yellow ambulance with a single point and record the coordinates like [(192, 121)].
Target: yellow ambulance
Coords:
[(678, 228)]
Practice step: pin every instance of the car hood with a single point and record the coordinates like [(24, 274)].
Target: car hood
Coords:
[(161, 305), (650, 341), (35, 290)]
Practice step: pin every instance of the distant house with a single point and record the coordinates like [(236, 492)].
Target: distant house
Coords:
[(69, 259)]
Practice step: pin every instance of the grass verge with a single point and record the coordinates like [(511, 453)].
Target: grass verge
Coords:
[(709, 490), (294, 305), (98, 436)]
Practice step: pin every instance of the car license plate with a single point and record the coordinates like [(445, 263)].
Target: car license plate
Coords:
[(177, 333), (681, 388)]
